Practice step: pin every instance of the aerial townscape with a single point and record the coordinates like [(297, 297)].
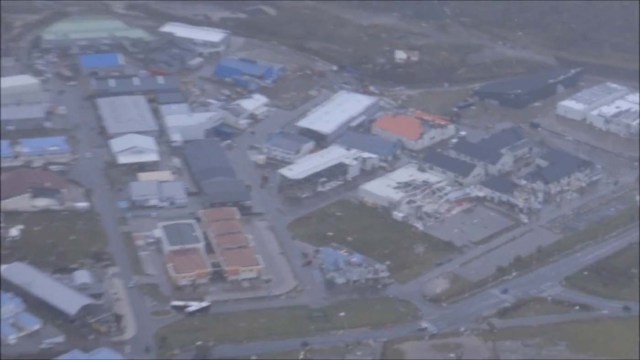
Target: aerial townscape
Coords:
[(320, 180)]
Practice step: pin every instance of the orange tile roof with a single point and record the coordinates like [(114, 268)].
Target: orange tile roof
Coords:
[(406, 126), (187, 261), (231, 241), (219, 214), (224, 227), (242, 257)]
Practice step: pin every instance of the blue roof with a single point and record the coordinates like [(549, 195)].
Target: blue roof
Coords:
[(95, 61), (102, 353), (247, 66), (332, 259), (369, 143), (45, 145), (5, 148), (10, 303), (7, 329), (27, 320)]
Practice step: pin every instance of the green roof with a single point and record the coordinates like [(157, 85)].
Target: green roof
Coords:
[(92, 28)]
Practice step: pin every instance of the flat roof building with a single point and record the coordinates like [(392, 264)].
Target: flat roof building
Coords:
[(580, 104), (331, 118), (240, 263), (180, 235), (188, 266), (126, 114)]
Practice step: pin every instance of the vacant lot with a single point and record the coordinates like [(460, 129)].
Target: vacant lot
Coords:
[(295, 321), (605, 338), (55, 239), (538, 306), (615, 276), (373, 233)]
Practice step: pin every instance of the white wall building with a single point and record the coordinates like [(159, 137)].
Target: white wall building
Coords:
[(191, 126), (582, 103), (134, 149), (342, 110), (24, 89), (620, 117), (204, 39)]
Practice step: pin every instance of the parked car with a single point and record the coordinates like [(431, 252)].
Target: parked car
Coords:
[(463, 104)]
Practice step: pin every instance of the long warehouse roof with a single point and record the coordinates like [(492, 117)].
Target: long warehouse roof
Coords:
[(340, 109), (318, 161), (194, 32)]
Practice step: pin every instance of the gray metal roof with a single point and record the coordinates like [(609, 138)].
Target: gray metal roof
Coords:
[(500, 184), (207, 160), (448, 163), (25, 111), (371, 144), (170, 98), (489, 149), (126, 114), (44, 287), (288, 141), (561, 165), (125, 85), (181, 233), (222, 191)]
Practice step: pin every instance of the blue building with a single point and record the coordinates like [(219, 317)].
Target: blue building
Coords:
[(247, 73), (106, 62), (6, 151), (44, 146)]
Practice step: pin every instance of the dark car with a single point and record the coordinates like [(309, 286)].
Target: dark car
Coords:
[(466, 103), (534, 125)]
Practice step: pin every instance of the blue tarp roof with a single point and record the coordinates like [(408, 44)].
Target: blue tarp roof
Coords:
[(247, 66), (27, 320), (5, 148), (95, 61), (45, 145), (10, 300)]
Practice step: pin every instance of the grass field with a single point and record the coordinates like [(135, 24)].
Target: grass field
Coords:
[(55, 239), (615, 276), (375, 234), (603, 338), (295, 321), (537, 306)]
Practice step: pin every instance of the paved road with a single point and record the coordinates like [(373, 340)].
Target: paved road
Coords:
[(459, 314)]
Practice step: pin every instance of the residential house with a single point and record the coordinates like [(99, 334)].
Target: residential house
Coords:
[(497, 153), (501, 189), (287, 147), (254, 105), (24, 116), (27, 189), (44, 149), (134, 149), (416, 131), (463, 172), (559, 171), (158, 193)]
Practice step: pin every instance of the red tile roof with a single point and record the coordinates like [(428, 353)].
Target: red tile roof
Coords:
[(187, 261), (243, 257), (224, 227), (406, 126), (21, 181), (218, 214), (231, 241)]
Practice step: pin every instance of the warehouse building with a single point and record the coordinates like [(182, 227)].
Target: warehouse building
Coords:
[(582, 103), (415, 131), (134, 85), (524, 90), (385, 149), (202, 39), (22, 90), (388, 190), (67, 301), (127, 114), (101, 64), (191, 126), (621, 117), (214, 175), (24, 117), (89, 31), (324, 170), (181, 234), (287, 147), (333, 117), (247, 73)]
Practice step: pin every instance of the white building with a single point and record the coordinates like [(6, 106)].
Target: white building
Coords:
[(203, 39), (342, 110), (256, 104), (388, 190), (191, 126), (127, 114), (579, 105), (134, 149), (620, 117), (23, 89)]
